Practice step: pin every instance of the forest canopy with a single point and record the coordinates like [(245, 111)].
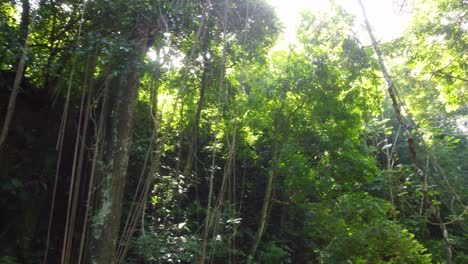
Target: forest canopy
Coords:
[(179, 131)]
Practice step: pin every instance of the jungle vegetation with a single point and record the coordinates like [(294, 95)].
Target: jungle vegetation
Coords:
[(173, 131)]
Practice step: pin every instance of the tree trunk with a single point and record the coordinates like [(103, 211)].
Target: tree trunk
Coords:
[(425, 201), (24, 24), (16, 85), (114, 161)]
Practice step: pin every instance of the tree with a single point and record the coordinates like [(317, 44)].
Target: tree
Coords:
[(170, 131), (431, 99)]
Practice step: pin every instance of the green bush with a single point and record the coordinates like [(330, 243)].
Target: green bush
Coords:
[(357, 229), (274, 254), (8, 260)]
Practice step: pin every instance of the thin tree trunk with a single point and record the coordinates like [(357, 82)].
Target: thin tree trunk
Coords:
[(16, 87), (204, 236), (448, 245), (208, 222), (425, 201), (24, 24)]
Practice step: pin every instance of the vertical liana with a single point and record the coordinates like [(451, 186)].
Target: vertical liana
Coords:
[(269, 187), (206, 229)]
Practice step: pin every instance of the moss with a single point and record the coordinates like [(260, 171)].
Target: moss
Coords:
[(103, 212)]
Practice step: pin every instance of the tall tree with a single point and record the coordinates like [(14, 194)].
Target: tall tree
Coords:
[(121, 96)]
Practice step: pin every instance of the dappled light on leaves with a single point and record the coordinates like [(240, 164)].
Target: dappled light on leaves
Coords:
[(185, 132)]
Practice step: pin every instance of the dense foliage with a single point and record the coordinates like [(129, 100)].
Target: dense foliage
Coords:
[(157, 131)]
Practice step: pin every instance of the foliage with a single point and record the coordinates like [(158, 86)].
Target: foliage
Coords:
[(232, 137), (8, 260), (8, 36), (358, 228), (274, 254), (169, 245)]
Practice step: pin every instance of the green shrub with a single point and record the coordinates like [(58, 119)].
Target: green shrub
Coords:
[(357, 229)]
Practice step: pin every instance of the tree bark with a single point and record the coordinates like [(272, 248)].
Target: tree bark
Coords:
[(24, 24), (426, 203), (114, 162)]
